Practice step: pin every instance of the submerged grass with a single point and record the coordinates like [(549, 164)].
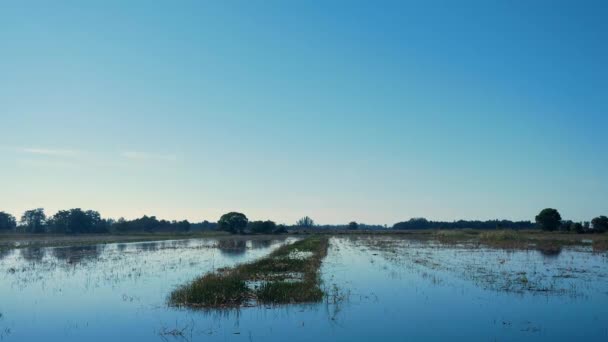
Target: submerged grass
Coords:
[(269, 280)]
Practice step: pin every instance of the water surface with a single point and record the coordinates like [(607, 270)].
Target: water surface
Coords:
[(379, 287)]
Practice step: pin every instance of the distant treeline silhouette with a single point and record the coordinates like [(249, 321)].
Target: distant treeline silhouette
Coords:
[(548, 219), (78, 221), (422, 223)]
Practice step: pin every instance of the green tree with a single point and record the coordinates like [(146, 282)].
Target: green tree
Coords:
[(586, 225), (33, 221), (262, 227), (565, 225), (181, 226), (600, 224), (281, 229), (60, 222), (353, 225), (120, 226), (577, 228), (77, 221), (233, 222), (7, 222), (305, 222), (549, 219)]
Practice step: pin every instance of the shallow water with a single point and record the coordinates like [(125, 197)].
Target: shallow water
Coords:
[(381, 287)]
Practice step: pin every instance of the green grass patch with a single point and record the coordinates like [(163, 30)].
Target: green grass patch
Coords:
[(213, 290), (289, 292), (290, 274)]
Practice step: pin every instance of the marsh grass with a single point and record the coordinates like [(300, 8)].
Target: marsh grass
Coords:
[(214, 289), (548, 243), (273, 276), (511, 270), (526, 239), (600, 245), (289, 292)]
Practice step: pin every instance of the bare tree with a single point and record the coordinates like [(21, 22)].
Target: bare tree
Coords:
[(305, 222)]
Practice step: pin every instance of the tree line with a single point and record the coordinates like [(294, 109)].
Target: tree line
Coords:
[(78, 221), (307, 223), (238, 223), (548, 219), (422, 223)]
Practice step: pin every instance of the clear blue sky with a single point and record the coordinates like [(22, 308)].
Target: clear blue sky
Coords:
[(373, 111)]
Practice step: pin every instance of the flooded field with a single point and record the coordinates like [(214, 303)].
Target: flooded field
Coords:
[(375, 287)]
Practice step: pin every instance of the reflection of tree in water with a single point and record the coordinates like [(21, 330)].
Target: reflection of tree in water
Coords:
[(121, 247), (257, 244), (78, 254), (178, 243), (156, 245), (5, 252), (232, 247), (149, 246), (552, 251), (33, 254)]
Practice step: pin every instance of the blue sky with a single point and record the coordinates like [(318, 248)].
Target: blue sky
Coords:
[(340, 110)]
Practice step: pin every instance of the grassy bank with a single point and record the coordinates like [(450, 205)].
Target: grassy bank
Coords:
[(288, 275)]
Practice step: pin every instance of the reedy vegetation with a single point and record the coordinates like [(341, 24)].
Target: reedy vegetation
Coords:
[(270, 280)]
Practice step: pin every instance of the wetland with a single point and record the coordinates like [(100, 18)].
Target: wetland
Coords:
[(353, 287)]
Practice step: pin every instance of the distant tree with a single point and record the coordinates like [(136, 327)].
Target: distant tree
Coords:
[(182, 226), (353, 225), (205, 225), (7, 222), (33, 221), (262, 227), (565, 225), (548, 219), (77, 221), (600, 224), (422, 223), (120, 226), (60, 222), (109, 222), (281, 229), (233, 222), (97, 224), (577, 228), (418, 223), (305, 222), (149, 224)]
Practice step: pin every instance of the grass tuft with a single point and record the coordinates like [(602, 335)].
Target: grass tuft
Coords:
[(289, 292), (213, 289)]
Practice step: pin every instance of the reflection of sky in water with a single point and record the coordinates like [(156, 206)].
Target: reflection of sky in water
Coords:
[(386, 288)]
